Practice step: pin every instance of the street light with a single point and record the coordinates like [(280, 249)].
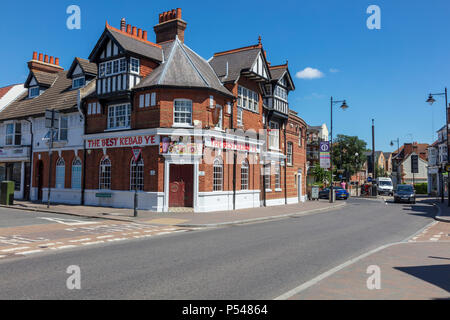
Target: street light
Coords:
[(344, 107), (431, 101)]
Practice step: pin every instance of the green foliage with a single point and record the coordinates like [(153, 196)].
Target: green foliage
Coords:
[(348, 154), (320, 175), (421, 188)]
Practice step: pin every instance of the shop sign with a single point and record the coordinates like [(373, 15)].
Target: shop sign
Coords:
[(169, 147), (231, 145), (123, 142)]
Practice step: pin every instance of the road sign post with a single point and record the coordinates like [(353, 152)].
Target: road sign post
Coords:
[(51, 122), (137, 152)]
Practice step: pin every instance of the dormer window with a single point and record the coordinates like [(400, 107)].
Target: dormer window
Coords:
[(78, 82), (33, 92)]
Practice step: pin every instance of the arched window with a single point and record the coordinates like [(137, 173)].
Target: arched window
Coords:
[(60, 173), (76, 174), (244, 175), (218, 175), (105, 174), (137, 175)]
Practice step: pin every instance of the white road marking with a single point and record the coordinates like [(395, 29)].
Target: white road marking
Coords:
[(80, 240), (29, 252), (64, 247), (15, 249), (105, 237), (92, 243), (69, 222), (117, 239)]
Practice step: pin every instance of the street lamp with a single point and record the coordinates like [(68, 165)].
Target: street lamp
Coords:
[(431, 101), (344, 107)]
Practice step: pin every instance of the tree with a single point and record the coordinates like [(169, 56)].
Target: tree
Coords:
[(321, 175), (349, 154)]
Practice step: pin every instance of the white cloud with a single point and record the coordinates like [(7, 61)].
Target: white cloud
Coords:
[(309, 73), (333, 70)]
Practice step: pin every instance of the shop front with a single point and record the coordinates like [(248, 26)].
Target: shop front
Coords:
[(15, 166)]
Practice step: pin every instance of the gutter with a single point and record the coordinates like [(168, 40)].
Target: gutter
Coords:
[(31, 158), (83, 185)]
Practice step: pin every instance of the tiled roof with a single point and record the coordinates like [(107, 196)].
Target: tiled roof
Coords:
[(237, 61), (59, 97), (87, 66), (44, 78), (183, 68), (5, 90)]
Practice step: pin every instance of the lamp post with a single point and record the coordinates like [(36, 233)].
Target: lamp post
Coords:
[(398, 167), (343, 107), (431, 100)]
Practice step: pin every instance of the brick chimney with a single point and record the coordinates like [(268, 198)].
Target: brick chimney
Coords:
[(170, 25), (44, 63)]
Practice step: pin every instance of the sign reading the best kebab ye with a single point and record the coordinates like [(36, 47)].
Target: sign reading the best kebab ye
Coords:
[(123, 142)]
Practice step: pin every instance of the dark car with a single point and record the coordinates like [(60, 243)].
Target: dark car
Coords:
[(405, 193), (340, 193)]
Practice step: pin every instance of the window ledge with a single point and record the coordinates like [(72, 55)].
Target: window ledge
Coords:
[(278, 190), (268, 190), (117, 129), (188, 126)]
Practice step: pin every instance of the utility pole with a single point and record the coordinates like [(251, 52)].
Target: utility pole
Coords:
[(374, 170)]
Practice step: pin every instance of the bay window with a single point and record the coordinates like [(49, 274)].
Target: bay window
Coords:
[(182, 112)]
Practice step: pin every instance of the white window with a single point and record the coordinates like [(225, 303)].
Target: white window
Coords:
[(76, 174), (274, 135), (220, 110), (134, 65), (289, 153), (277, 177), (137, 175), (63, 129), (60, 173), (13, 134), (240, 120), (244, 175), (90, 108), (33, 92), (99, 108), (105, 174), (153, 102), (147, 100), (112, 67), (116, 66), (248, 99), (123, 65), (78, 82), (218, 175), (211, 101), (141, 100), (267, 176), (183, 112), (119, 116)]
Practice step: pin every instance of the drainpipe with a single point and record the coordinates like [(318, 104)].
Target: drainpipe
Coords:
[(234, 163), (285, 164), (83, 185), (31, 158)]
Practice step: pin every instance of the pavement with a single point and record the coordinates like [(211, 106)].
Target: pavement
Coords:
[(183, 219), (414, 269)]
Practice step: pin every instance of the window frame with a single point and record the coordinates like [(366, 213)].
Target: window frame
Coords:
[(290, 153), (218, 175), (182, 124), (114, 117), (60, 173), (76, 178), (74, 81), (132, 66), (137, 174), (33, 89), (104, 175), (245, 175)]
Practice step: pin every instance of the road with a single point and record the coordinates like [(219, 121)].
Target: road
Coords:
[(252, 261)]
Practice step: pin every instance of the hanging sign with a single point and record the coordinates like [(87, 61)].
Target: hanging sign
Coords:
[(325, 158)]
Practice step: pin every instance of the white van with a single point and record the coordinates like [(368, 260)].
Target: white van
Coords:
[(385, 186)]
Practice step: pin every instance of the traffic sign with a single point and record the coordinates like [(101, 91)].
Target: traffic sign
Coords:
[(414, 164), (136, 153)]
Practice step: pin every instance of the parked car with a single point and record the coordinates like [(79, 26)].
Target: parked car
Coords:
[(405, 193), (340, 193)]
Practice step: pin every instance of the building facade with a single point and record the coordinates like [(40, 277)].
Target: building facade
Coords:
[(159, 121)]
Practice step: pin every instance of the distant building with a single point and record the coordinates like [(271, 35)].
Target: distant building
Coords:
[(314, 136), (437, 160), (401, 163)]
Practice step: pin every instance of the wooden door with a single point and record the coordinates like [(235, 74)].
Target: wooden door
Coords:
[(181, 187), (39, 178)]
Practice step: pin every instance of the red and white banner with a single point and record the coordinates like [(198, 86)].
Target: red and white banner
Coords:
[(232, 145), (123, 142)]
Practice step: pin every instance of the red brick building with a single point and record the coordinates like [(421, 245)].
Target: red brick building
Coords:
[(211, 135)]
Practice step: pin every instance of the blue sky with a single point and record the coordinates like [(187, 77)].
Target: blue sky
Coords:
[(383, 74)]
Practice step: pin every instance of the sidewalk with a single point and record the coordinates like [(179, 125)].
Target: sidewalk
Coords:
[(413, 270), (184, 219)]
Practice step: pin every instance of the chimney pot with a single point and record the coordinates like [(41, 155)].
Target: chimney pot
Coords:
[(139, 33), (123, 25), (173, 14), (165, 16), (35, 55), (178, 13), (128, 28), (134, 31), (144, 35), (51, 60), (41, 57), (46, 58), (161, 17), (57, 61)]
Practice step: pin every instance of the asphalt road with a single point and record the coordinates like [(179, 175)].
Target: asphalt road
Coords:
[(254, 261)]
